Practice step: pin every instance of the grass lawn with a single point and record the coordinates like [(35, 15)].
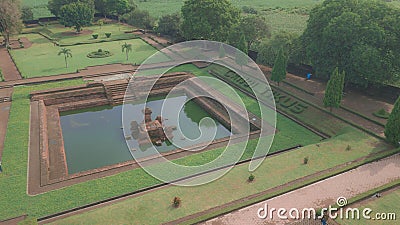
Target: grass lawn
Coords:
[(388, 203), (155, 207), (42, 60), (67, 36)]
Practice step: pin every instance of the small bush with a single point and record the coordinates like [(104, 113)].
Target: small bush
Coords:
[(100, 53), (21, 45), (95, 36), (305, 160), (348, 148), (176, 202), (382, 114), (108, 34), (249, 10), (251, 177)]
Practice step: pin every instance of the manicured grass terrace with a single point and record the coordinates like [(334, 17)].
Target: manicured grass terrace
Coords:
[(41, 58)]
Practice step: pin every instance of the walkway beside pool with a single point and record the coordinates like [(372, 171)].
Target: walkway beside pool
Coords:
[(320, 194)]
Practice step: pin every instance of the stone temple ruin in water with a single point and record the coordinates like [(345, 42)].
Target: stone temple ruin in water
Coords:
[(151, 131)]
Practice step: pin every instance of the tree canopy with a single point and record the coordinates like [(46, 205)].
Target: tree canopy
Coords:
[(170, 25), (140, 18), (208, 19), (76, 15), (278, 73), (120, 7), (361, 37), (10, 18), (334, 90), (268, 49), (26, 13), (392, 129), (253, 27), (55, 5)]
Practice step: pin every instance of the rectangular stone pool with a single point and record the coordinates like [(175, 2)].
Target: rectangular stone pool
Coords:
[(94, 138)]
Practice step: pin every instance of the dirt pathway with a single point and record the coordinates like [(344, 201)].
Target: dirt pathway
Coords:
[(7, 66), (4, 113), (320, 194), (354, 100)]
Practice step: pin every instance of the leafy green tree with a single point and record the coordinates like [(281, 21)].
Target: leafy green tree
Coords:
[(208, 19), (127, 48), (361, 37), (101, 7), (76, 15), (278, 73), (140, 18), (67, 54), (10, 19), (120, 7), (334, 90), (392, 128), (269, 49), (170, 25), (55, 6), (253, 27), (27, 13), (242, 44)]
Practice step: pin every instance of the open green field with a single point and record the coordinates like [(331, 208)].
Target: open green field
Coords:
[(158, 8), (39, 8), (41, 58), (276, 170)]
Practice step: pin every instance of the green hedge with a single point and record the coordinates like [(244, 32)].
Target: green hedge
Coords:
[(382, 114), (298, 88)]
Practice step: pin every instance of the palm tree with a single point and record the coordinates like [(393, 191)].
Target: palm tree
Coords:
[(67, 53), (126, 48)]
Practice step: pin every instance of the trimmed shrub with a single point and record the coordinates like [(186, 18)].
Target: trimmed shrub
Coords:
[(176, 202), (100, 53), (305, 160), (108, 34), (95, 36), (348, 148), (251, 178)]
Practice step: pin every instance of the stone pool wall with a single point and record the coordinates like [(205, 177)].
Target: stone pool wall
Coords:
[(46, 140)]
